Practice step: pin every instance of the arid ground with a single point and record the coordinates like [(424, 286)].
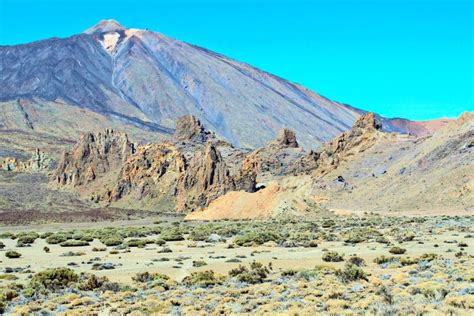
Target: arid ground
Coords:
[(341, 264)]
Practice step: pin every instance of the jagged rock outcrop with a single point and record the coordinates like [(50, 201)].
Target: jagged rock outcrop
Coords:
[(93, 156), (203, 173), (148, 177), (190, 129), (206, 178), (360, 137), (368, 121), (109, 169), (276, 158), (287, 138), (39, 162)]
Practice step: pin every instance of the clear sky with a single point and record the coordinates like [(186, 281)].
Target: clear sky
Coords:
[(399, 58)]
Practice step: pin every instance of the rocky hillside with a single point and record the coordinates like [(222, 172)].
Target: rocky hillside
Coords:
[(140, 81)]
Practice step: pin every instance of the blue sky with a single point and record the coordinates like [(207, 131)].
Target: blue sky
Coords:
[(399, 58)]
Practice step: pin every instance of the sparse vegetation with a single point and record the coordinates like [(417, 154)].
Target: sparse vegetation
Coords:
[(256, 238), (317, 284)]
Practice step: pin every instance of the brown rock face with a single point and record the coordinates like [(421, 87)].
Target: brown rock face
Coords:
[(92, 156), (286, 137), (189, 128)]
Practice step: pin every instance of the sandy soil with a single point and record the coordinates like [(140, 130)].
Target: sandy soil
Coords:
[(140, 259)]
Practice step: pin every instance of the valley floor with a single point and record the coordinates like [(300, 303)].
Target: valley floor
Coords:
[(345, 264)]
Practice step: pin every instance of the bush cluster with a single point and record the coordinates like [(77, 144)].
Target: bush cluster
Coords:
[(256, 274), (332, 256)]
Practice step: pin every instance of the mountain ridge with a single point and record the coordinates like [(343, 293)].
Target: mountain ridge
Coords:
[(149, 80)]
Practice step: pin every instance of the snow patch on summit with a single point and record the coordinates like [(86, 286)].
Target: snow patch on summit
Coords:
[(109, 41)]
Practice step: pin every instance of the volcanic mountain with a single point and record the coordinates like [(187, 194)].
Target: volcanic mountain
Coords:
[(110, 76)]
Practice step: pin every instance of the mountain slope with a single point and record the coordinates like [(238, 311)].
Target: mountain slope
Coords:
[(148, 80), (366, 170)]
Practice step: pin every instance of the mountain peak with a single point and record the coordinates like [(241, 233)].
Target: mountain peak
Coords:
[(105, 26)]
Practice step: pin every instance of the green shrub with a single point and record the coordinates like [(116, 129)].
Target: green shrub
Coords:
[(397, 250), (354, 238), (355, 260), (289, 272), (350, 273), (7, 235), (202, 279), (46, 235), (171, 234), (112, 240), (256, 238), (25, 240), (12, 254), (305, 274), (140, 243), (144, 277), (428, 257), (54, 279), (383, 259), (57, 238), (160, 242), (2, 245), (382, 240), (74, 243), (256, 274), (32, 235), (328, 223), (46, 249), (407, 261), (199, 234), (88, 238), (90, 282), (332, 256)]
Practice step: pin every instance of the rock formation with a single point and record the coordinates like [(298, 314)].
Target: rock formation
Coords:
[(109, 169), (93, 156), (39, 162), (190, 129), (287, 138), (361, 136), (276, 158), (206, 177)]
